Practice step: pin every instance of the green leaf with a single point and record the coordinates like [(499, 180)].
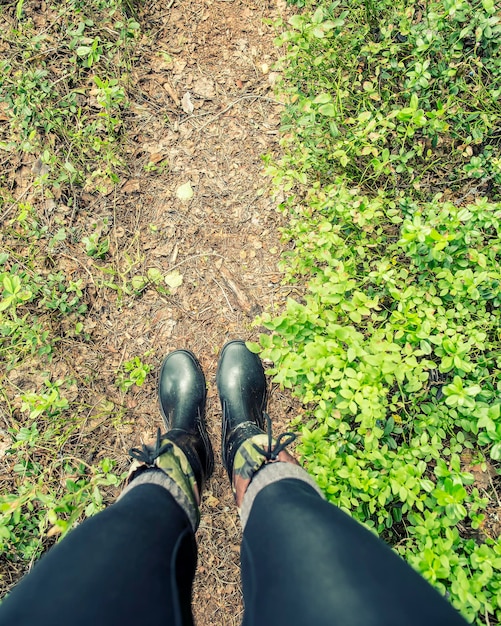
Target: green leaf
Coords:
[(318, 32), (327, 109), (296, 21), (489, 6), (318, 16), (495, 452), (425, 347), (11, 284), (6, 303), (253, 347), (139, 282), (83, 51), (154, 275), (355, 317), (107, 465), (323, 98), (265, 340)]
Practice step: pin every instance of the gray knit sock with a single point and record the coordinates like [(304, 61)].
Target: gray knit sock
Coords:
[(271, 473)]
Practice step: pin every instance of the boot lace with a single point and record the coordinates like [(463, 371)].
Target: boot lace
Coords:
[(149, 454), (283, 440)]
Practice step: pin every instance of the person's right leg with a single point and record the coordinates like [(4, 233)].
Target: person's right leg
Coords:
[(306, 562)]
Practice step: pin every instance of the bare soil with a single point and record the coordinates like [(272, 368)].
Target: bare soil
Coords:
[(224, 241), (203, 112)]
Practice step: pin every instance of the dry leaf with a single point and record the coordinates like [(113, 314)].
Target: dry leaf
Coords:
[(5, 442), (244, 299), (211, 501), (162, 250), (131, 186), (173, 95), (185, 192), (187, 104), (204, 87), (157, 157), (173, 279), (55, 530)]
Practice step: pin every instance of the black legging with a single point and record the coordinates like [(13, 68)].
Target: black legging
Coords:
[(304, 563)]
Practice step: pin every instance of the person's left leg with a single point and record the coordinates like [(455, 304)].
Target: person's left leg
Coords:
[(304, 561), (133, 563)]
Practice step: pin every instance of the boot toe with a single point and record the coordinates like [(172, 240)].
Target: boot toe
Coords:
[(240, 374), (181, 390)]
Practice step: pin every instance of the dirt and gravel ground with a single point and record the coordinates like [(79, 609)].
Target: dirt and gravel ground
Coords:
[(202, 113), (224, 242)]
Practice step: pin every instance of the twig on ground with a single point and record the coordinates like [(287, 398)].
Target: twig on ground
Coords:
[(232, 104), (224, 294), (16, 202), (72, 258), (474, 190), (194, 256), (495, 491)]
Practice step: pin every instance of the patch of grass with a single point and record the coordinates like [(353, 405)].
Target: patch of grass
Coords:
[(390, 169), (49, 486), (63, 96), (402, 96), (63, 90)]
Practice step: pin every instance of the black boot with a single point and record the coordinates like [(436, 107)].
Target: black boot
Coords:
[(241, 384), (182, 394)]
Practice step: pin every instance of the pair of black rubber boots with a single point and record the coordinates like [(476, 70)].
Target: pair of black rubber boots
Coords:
[(182, 391)]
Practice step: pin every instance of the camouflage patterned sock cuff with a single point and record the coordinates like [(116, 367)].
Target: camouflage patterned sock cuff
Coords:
[(271, 473), (248, 460), (176, 474)]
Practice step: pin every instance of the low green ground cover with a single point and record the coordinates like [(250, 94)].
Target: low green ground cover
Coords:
[(49, 488), (65, 74), (62, 85), (390, 171), (63, 77)]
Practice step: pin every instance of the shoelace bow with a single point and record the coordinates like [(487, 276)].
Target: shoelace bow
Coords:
[(283, 441), (149, 454)]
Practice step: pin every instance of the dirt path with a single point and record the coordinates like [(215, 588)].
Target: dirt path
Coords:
[(224, 241)]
